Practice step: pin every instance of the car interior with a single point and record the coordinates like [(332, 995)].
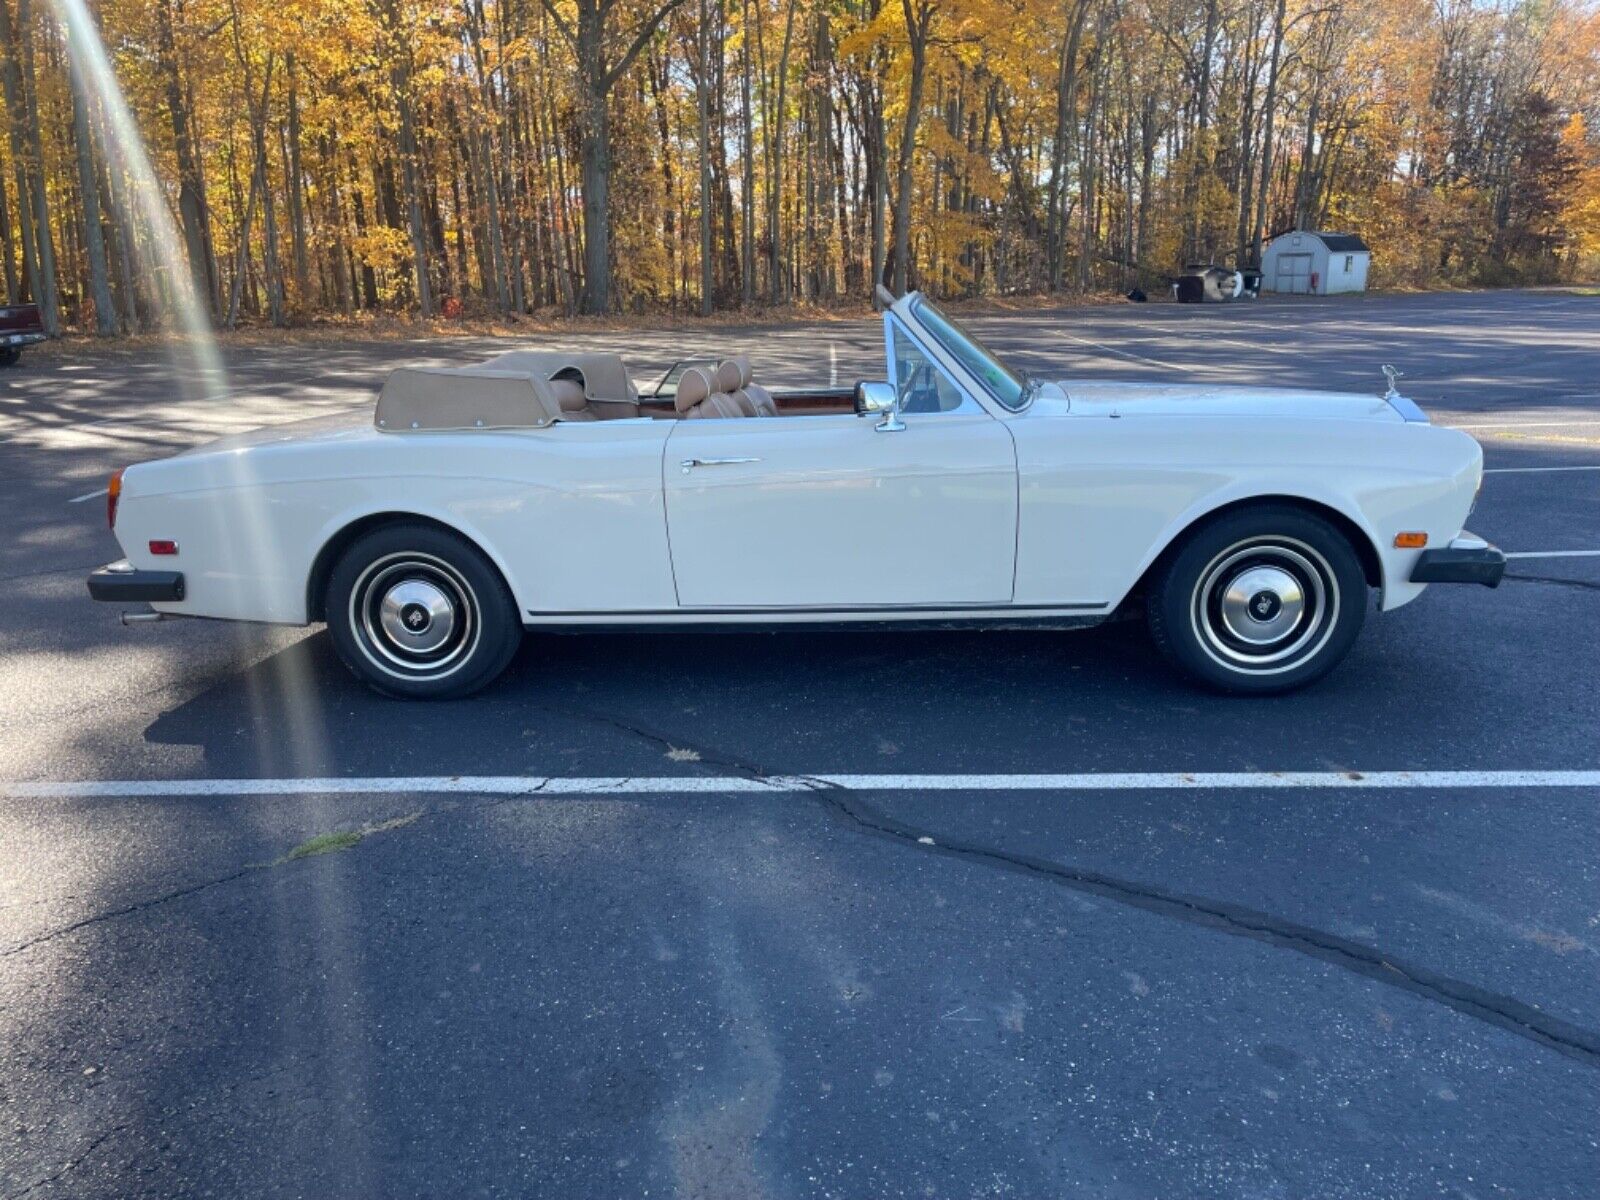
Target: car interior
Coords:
[(596, 387), (528, 388)]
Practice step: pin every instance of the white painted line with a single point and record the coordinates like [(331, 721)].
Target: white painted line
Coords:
[(1555, 554), (1533, 470), (529, 785), (1154, 362), (88, 496), (833, 365)]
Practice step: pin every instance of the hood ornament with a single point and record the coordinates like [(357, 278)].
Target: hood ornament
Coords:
[(1407, 408)]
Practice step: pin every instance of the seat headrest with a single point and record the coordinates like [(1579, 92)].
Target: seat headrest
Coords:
[(729, 377), (746, 375), (569, 394), (694, 385)]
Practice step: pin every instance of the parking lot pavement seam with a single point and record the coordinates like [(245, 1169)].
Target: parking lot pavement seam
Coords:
[(845, 804), (1587, 585), (249, 869), (125, 910), (1504, 1012), (72, 1164)]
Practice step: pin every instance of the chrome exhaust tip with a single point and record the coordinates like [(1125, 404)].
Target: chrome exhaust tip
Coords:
[(142, 618)]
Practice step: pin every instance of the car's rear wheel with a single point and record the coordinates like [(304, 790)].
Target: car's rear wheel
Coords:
[(1261, 600), (415, 611)]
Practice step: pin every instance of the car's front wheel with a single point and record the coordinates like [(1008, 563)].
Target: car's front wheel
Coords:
[(1260, 600), (415, 611)]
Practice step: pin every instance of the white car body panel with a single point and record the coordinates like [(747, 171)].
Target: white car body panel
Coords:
[(250, 519), (1102, 495), (833, 515), (982, 513)]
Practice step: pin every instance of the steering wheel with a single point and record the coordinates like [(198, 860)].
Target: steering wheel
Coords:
[(922, 390)]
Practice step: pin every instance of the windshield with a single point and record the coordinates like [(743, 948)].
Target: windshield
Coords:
[(1004, 384)]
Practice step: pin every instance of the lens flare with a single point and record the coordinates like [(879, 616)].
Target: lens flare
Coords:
[(288, 707), (196, 362)]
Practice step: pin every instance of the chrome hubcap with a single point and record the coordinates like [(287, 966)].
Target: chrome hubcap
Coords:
[(1261, 604), (414, 616), (417, 615), (1265, 605)]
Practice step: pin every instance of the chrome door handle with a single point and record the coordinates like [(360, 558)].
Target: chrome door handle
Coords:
[(690, 464)]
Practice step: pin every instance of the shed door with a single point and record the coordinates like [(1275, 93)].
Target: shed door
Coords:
[(1294, 274)]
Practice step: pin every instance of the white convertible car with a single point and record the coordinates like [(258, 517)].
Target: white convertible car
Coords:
[(541, 490)]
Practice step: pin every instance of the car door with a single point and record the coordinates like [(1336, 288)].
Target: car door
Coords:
[(828, 512)]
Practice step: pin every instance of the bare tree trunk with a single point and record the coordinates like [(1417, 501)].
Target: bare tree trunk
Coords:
[(242, 255), (1200, 159), (7, 249), (919, 21), (16, 121), (413, 189), (776, 278), (1270, 108), (297, 202), (192, 208), (27, 156), (702, 89), (596, 78), (747, 194), (105, 314), (1061, 145), (260, 184)]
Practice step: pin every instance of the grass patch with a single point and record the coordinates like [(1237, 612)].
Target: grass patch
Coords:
[(323, 843), (330, 843)]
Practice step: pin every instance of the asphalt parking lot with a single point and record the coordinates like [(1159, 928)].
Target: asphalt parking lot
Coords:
[(1193, 975)]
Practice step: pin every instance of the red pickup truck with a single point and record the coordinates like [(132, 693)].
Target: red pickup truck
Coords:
[(20, 325)]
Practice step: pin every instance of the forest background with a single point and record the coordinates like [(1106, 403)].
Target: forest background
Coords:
[(281, 161)]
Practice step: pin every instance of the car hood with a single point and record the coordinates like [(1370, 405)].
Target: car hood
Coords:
[(1104, 398)]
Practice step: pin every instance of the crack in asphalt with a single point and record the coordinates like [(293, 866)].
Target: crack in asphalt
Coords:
[(128, 909), (203, 885), (847, 806), (71, 1164), (1505, 1012), (1585, 584)]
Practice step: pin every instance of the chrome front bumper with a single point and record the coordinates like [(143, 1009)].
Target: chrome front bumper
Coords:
[(1467, 559)]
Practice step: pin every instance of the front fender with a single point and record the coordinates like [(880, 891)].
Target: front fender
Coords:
[(1102, 498)]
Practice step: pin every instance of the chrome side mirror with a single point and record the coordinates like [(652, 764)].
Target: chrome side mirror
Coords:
[(879, 399)]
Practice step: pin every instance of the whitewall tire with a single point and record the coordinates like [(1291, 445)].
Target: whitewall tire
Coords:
[(1262, 599), (415, 611)]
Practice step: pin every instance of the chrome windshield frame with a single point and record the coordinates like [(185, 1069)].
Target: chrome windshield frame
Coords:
[(1027, 388)]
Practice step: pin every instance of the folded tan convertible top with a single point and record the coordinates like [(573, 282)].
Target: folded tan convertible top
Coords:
[(603, 375), (417, 399)]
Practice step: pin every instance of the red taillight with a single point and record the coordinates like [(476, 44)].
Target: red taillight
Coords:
[(113, 494), (163, 546)]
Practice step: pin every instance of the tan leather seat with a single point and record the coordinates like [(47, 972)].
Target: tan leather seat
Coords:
[(730, 380), (760, 399), (696, 398), (574, 404), (609, 392)]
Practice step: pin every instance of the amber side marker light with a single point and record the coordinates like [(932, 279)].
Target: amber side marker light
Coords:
[(1410, 541), (113, 494)]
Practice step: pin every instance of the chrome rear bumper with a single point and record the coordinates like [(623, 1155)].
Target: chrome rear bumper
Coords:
[(121, 582)]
